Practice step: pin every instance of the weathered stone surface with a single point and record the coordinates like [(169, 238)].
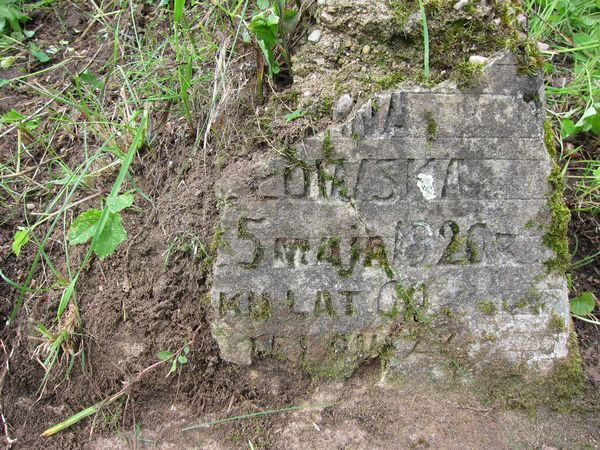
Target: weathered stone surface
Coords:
[(413, 230)]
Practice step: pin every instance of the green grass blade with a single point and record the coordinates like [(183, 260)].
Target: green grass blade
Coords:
[(72, 420), (259, 413), (178, 11), (425, 40)]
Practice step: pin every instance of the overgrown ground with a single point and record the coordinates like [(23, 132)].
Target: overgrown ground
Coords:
[(123, 114)]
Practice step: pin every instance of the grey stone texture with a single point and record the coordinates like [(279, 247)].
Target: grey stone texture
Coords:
[(412, 231)]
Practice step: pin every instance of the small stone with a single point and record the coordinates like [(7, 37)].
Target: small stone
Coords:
[(327, 18), (412, 24), (30, 206), (343, 107), (315, 36), (461, 4), (543, 47), (478, 60), (366, 50)]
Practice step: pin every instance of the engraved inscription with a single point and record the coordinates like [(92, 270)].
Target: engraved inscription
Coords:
[(417, 210)]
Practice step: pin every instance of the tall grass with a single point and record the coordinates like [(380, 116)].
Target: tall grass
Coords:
[(568, 33)]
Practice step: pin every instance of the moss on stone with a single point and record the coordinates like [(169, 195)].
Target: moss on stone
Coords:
[(327, 146), (467, 75), (260, 309), (431, 126), (556, 237), (389, 81), (413, 312), (556, 324), (514, 385), (330, 251), (448, 312), (487, 307), (376, 251)]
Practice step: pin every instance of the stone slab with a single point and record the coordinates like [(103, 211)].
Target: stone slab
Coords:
[(426, 209)]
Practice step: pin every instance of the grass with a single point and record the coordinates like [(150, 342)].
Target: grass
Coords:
[(255, 414), (425, 40), (569, 33), (111, 114)]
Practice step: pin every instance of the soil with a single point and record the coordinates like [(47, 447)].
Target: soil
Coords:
[(151, 296)]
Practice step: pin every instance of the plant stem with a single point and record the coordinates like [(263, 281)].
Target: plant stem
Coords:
[(425, 40)]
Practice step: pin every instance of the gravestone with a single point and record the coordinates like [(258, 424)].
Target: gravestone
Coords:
[(414, 231)]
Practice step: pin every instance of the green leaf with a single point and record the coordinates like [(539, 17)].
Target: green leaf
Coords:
[(587, 119), (567, 128), (263, 28), (270, 59), (273, 24), (178, 10), (7, 62), (294, 115), (11, 16), (246, 36), (13, 117), (173, 366), (182, 359), (186, 350), (583, 304), (596, 174), (164, 356), (84, 226), (89, 77), (582, 39), (66, 298), (20, 239), (39, 54), (116, 204), (262, 4), (112, 236)]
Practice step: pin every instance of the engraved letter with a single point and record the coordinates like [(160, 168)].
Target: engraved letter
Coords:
[(244, 233)]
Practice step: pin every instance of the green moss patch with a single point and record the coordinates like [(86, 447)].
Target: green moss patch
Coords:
[(556, 237)]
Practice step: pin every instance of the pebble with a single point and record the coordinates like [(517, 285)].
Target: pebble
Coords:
[(343, 107), (327, 18), (461, 4), (412, 24), (315, 36), (543, 47), (366, 50), (30, 206), (477, 60)]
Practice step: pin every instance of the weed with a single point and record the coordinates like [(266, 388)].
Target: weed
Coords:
[(271, 26), (582, 307), (188, 242), (177, 360)]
